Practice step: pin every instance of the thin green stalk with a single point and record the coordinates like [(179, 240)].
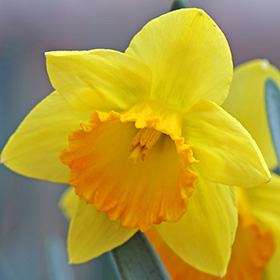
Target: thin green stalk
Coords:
[(179, 4), (137, 260)]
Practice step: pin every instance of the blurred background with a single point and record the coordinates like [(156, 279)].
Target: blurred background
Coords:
[(32, 229)]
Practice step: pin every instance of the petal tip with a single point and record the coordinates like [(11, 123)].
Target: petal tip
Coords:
[(265, 64), (49, 54), (55, 54), (200, 12), (3, 160), (267, 178)]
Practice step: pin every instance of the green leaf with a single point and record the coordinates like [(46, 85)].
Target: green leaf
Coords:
[(179, 4), (136, 259), (272, 100)]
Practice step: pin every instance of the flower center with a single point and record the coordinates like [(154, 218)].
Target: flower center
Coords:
[(142, 143), (141, 193)]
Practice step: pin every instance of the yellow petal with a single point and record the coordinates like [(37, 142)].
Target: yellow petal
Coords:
[(91, 234), (204, 236), (98, 79), (189, 57), (272, 269), (226, 152), (107, 171), (68, 203), (265, 205), (246, 102), (252, 248), (34, 149)]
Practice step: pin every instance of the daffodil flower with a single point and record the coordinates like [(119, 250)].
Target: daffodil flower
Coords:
[(152, 134), (256, 249), (251, 110)]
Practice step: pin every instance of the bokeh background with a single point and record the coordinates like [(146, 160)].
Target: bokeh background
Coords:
[(32, 229)]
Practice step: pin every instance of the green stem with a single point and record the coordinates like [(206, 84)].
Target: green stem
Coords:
[(179, 4), (137, 259)]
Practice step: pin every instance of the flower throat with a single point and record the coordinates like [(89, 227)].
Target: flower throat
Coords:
[(142, 143)]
